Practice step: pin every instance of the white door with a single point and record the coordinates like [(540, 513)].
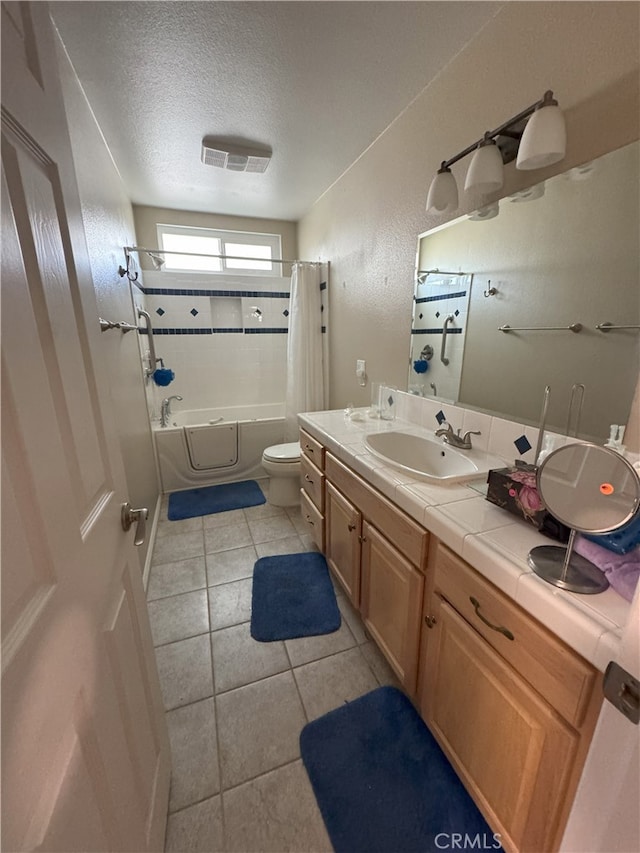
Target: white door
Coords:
[(85, 756)]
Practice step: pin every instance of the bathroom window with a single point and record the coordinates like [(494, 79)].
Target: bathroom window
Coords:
[(247, 253)]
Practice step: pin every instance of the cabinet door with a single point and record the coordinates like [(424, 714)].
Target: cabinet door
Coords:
[(391, 603), (512, 750), (343, 529)]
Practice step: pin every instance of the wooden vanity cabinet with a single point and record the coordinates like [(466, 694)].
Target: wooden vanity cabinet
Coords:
[(512, 707), (312, 491), (377, 552), (391, 603), (343, 524)]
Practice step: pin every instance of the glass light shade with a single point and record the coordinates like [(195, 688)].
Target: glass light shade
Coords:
[(544, 140), (486, 170), (443, 192)]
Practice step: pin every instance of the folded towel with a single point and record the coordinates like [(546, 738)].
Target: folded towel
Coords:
[(621, 570)]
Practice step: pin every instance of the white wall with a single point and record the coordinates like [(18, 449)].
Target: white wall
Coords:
[(108, 224), (367, 223)]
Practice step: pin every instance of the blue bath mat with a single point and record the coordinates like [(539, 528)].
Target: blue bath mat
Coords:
[(382, 782), (210, 499), (292, 597)]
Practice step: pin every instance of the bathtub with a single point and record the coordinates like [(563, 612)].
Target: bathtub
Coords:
[(202, 447)]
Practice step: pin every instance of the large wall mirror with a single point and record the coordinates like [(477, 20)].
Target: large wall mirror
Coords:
[(562, 254)]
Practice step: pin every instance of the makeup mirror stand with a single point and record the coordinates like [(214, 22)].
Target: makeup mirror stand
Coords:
[(577, 484)]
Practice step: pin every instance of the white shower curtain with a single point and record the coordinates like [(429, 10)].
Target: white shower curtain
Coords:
[(305, 362)]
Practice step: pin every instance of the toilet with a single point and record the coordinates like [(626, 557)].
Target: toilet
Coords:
[(282, 464)]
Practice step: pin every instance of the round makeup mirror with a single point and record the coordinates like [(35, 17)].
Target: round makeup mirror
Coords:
[(593, 490)]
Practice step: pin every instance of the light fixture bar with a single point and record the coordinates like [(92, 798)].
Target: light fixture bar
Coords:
[(535, 137), (492, 134)]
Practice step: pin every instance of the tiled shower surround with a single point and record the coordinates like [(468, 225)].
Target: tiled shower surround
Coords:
[(225, 337)]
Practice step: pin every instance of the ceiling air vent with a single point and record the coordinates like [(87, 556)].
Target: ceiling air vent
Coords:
[(236, 158)]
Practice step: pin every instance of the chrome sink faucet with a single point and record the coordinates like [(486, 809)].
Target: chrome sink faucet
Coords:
[(455, 439), (165, 409)]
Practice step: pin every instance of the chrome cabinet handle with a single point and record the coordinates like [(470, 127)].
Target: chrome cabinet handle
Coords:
[(499, 628), (430, 621), (307, 447), (309, 519), (351, 526), (445, 328), (308, 479), (129, 516)]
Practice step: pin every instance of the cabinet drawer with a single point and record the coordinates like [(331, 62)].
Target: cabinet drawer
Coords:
[(408, 537), (313, 519), (561, 676), (312, 481), (312, 449)]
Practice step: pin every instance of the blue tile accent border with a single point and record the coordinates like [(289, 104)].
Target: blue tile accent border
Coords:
[(207, 331), (220, 330), (436, 331), (440, 297), (183, 291), (323, 285), (441, 417)]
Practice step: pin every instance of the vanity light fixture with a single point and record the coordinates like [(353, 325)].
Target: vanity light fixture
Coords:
[(535, 137)]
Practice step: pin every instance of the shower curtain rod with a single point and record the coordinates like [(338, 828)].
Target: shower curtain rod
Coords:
[(207, 255)]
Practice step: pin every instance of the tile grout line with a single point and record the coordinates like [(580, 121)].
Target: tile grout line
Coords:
[(215, 711), (295, 681)]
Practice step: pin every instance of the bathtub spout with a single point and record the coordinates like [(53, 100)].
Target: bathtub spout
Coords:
[(165, 409)]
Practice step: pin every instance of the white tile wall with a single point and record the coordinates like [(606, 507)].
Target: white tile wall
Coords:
[(497, 434), (222, 369)]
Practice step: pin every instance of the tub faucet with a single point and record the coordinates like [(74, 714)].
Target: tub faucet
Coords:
[(462, 442), (165, 409)]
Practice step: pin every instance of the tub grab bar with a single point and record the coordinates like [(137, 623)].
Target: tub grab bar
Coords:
[(152, 349), (574, 327), (445, 327)]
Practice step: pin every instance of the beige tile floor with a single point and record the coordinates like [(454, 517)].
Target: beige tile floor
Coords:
[(235, 707)]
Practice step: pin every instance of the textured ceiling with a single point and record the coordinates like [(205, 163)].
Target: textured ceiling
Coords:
[(315, 81)]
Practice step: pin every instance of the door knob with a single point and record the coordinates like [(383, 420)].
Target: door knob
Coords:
[(138, 517)]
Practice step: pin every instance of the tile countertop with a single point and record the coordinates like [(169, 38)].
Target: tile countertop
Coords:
[(493, 541)]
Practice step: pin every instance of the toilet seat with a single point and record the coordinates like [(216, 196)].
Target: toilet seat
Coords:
[(283, 453)]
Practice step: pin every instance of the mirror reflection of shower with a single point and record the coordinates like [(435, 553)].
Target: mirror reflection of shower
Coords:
[(438, 332)]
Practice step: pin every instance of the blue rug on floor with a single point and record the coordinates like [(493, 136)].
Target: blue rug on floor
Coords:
[(292, 597), (210, 499), (382, 782)]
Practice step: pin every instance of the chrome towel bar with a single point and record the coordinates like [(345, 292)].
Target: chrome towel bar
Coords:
[(608, 327), (574, 327)]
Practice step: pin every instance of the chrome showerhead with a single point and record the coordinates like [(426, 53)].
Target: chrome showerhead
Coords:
[(157, 261)]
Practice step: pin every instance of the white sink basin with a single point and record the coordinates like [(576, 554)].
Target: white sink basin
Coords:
[(430, 459)]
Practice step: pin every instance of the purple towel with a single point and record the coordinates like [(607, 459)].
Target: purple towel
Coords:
[(622, 570)]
